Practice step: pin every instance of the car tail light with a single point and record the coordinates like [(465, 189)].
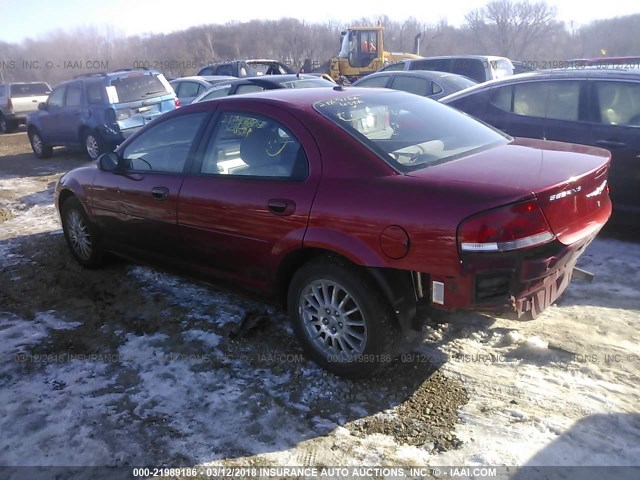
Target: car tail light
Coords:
[(515, 226), (176, 101), (10, 105)]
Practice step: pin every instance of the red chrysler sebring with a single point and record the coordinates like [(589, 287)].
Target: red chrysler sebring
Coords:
[(353, 207)]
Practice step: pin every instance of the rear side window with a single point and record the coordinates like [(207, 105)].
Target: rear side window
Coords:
[(439, 64), (618, 102), (553, 100), (254, 146), (29, 89), (137, 87), (415, 85), (3, 90), (94, 93), (470, 67)]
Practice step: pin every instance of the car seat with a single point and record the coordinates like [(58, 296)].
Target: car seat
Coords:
[(257, 151)]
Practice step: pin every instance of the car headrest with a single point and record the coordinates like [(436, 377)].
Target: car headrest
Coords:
[(254, 148)]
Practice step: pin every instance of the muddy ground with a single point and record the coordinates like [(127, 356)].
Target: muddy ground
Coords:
[(110, 304), (132, 366)]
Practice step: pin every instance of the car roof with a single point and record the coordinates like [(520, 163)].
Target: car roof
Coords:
[(446, 57), (268, 80), (204, 78), (430, 74), (560, 73), (299, 99)]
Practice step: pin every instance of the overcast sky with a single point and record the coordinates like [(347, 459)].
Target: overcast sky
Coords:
[(34, 18)]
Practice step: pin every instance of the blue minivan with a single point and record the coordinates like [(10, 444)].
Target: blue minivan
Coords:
[(98, 111)]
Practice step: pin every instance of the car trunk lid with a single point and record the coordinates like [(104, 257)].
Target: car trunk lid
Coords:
[(569, 181)]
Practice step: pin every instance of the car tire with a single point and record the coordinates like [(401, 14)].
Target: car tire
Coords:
[(40, 149), (81, 235), (94, 146), (341, 318), (6, 126)]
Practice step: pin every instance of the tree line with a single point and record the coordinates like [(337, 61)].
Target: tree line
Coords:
[(520, 30)]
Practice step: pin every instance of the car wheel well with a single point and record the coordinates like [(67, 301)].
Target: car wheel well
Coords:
[(64, 196), (82, 131), (395, 285)]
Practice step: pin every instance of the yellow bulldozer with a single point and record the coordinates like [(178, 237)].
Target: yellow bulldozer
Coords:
[(361, 52)]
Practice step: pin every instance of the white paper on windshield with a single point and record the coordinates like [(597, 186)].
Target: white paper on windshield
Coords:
[(112, 94)]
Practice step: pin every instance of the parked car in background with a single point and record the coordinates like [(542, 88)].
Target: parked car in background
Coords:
[(522, 67), (188, 88), (419, 82), (19, 99), (591, 106), (262, 83), (246, 68), (98, 111), (480, 68), (351, 206)]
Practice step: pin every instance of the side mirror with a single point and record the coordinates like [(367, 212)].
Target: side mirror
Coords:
[(108, 162), (42, 106)]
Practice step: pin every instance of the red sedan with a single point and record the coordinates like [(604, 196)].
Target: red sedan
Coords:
[(353, 207)]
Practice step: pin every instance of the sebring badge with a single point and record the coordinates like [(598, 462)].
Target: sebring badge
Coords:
[(566, 193)]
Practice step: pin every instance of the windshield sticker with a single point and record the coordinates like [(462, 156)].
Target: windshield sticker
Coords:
[(112, 94), (341, 102)]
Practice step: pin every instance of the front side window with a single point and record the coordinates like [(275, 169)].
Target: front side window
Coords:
[(249, 89), (166, 146), (216, 93), (394, 67), (618, 102), (251, 145), (56, 99), (409, 132), (188, 89), (379, 81)]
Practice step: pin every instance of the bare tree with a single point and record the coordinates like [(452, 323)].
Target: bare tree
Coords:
[(510, 28)]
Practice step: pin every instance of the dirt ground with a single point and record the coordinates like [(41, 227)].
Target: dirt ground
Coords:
[(128, 365), (110, 304)]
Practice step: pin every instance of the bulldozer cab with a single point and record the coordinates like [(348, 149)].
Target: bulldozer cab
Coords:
[(361, 47)]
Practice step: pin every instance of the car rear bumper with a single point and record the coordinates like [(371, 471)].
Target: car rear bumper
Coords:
[(535, 280)]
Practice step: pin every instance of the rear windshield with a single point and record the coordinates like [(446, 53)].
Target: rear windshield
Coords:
[(409, 132), (29, 89), (137, 87), (461, 81)]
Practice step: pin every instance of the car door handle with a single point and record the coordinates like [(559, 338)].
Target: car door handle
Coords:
[(281, 206), (160, 193), (610, 144)]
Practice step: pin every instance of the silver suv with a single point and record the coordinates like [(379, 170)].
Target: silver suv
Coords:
[(19, 99), (480, 68)]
